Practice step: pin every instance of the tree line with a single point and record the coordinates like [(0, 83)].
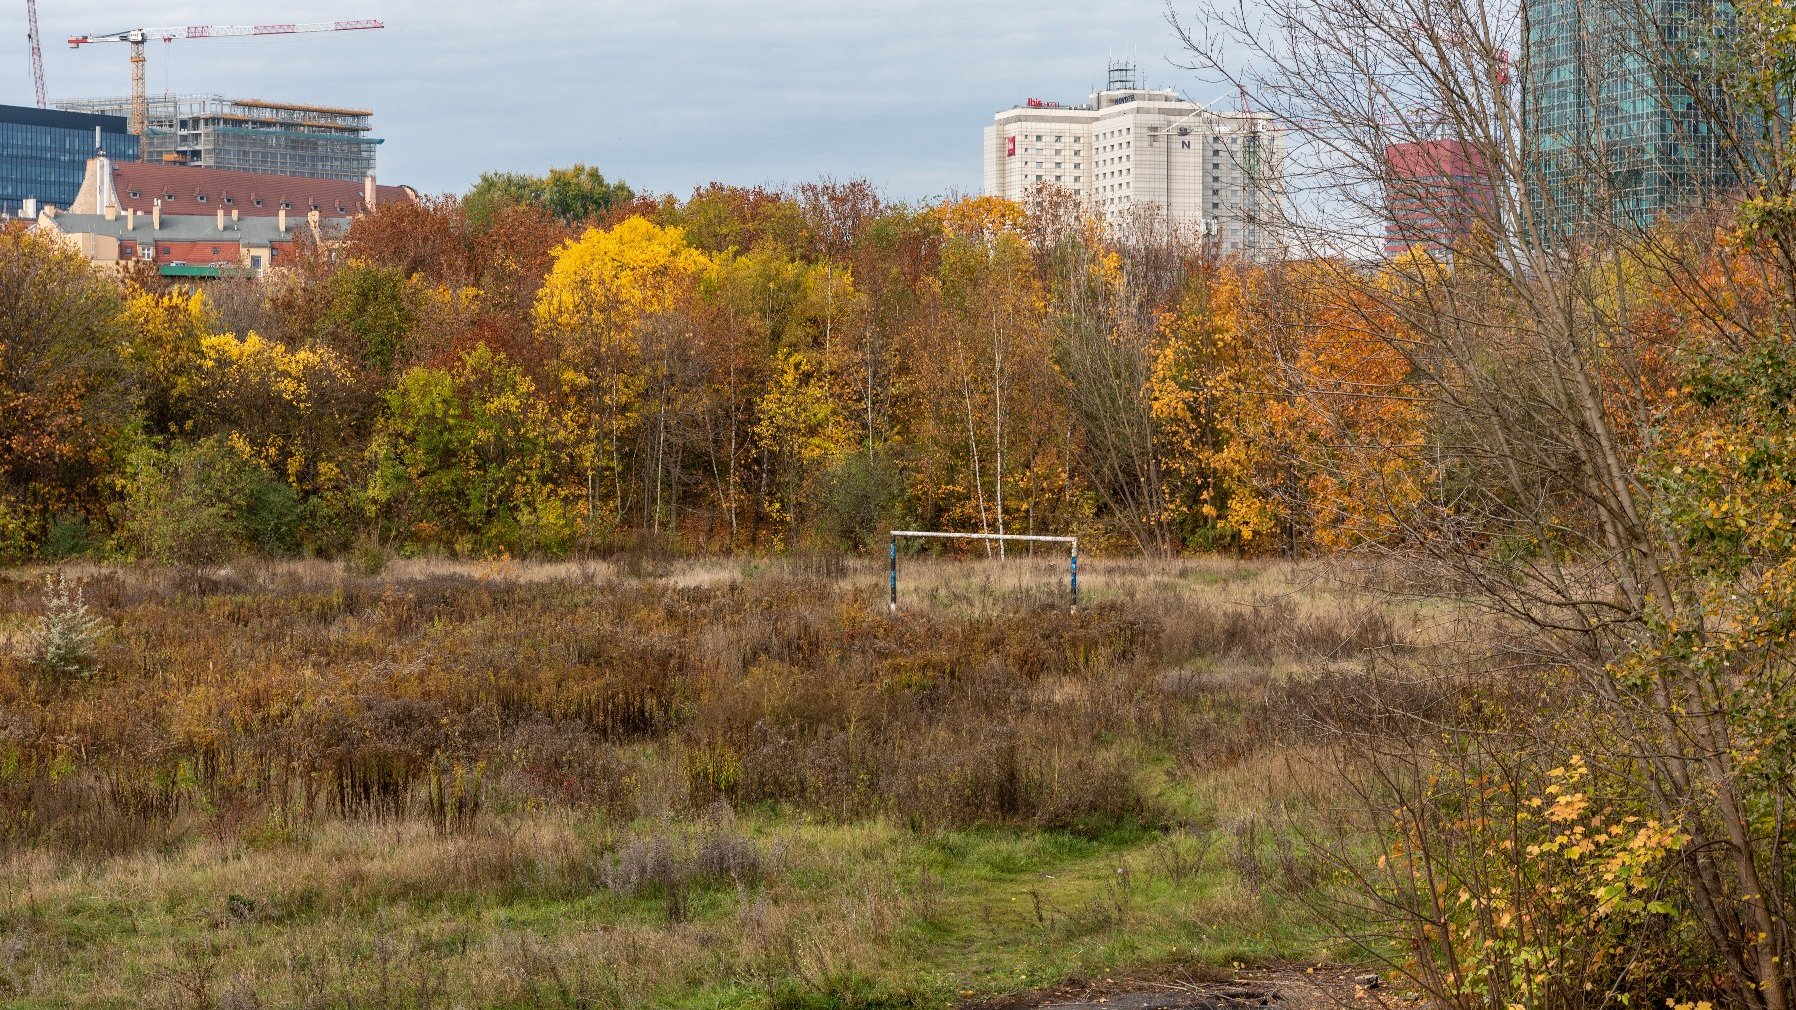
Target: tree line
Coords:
[(555, 366)]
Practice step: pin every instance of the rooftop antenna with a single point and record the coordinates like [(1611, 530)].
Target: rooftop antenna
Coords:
[(1122, 76)]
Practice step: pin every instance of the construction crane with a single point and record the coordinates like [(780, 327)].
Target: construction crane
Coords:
[(138, 36), (37, 55)]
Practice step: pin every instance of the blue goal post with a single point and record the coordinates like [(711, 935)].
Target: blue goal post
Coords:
[(1071, 542)]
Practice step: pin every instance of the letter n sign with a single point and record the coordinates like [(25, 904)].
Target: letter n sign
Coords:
[(1184, 145), (1009, 147)]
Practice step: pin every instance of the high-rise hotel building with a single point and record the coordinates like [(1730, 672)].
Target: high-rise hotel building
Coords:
[(1141, 156)]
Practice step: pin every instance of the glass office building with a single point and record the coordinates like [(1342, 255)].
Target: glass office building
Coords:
[(1615, 135), (44, 152)]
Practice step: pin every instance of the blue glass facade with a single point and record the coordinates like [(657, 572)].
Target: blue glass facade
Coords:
[(1615, 133), (44, 152)]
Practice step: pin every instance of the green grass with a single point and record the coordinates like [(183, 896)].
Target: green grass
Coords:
[(857, 915)]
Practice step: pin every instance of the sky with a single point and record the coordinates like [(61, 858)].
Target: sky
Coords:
[(666, 96)]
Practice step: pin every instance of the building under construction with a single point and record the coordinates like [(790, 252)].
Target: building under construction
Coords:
[(250, 135)]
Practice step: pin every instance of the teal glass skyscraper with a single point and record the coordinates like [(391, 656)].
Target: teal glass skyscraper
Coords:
[(1619, 119)]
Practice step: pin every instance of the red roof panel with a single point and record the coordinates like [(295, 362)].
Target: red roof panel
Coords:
[(140, 184)]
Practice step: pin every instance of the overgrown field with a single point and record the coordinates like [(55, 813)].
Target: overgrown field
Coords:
[(737, 785)]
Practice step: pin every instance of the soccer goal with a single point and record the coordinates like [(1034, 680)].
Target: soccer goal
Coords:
[(1072, 556)]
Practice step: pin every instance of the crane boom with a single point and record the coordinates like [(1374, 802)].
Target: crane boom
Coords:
[(37, 55), (138, 36)]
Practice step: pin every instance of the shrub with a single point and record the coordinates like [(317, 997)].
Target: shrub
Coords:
[(63, 640), (207, 502), (859, 496)]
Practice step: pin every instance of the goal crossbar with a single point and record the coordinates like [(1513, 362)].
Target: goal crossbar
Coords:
[(1071, 542), (985, 536)]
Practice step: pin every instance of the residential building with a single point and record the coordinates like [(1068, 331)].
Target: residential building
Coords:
[(1138, 155), (204, 222), (43, 153), (1613, 132), (1437, 193), (184, 189), (251, 135), (188, 245)]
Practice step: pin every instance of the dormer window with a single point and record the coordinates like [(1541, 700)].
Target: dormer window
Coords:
[(135, 195), (286, 205), (258, 201), (201, 197), (229, 201)]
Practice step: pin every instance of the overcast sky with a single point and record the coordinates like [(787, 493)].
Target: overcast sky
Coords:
[(663, 95)]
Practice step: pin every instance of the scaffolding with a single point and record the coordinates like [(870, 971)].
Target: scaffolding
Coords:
[(250, 135)]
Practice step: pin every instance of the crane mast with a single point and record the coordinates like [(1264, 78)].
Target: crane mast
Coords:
[(136, 37), (37, 55)]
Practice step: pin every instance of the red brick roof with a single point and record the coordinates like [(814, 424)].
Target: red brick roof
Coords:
[(251, 194)]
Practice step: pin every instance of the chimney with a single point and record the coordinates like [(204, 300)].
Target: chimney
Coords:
[(131, 219), (233, 214), (368, 192), (156, 215), (221, 219), (312, 219), (111, 212)]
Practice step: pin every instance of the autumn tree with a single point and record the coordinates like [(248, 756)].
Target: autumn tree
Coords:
[(1545, 484), (473, 459), (603, 289), (575, 196), (66, 397)]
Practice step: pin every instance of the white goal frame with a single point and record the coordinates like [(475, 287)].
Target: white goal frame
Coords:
[(1071, 542)]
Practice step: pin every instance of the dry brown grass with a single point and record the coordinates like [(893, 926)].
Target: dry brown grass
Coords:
[(517, 785), (260, 699)]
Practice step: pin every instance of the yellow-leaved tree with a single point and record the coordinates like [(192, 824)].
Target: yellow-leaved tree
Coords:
[(801, 428), (1209, 396), (602, 292), (289, 408)]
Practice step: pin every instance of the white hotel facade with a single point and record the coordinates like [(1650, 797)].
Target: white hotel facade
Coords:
[(1137, 155)]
